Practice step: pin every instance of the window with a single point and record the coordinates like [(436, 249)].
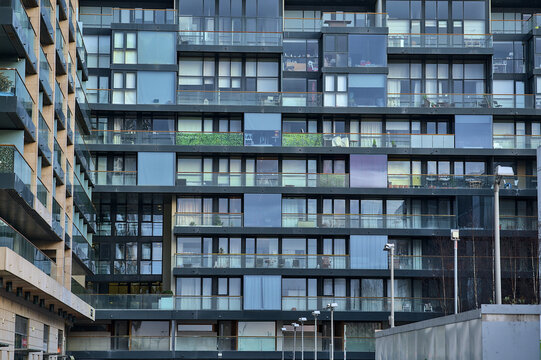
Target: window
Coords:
[(537, 52), (99, 50), (124, 48), (335, 49), (156, 47), (98, 89), (262, 129), (367, 50), (46, 333), (125, 258), (126, 217), (368, 171), (156, 168), (301, 55), (335, 91), (151, 258), (155, 87), (21, 332), (60, 349), (467, 128), (262, 210), (508, 57), (366, 90), (124, 87), (152, 215), (265, 292)]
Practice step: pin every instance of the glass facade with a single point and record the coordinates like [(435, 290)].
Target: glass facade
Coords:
[(254, 157)]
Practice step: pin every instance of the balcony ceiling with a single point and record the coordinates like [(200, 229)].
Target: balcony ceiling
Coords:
[(148, 4), (335, 5), (516, 3)]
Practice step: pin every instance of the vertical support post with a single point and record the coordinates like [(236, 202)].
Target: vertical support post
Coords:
[(497, 264)]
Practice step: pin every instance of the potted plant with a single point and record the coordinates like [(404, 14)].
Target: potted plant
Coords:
[(374, 144)]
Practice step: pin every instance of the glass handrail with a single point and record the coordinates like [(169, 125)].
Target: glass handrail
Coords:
[(405, 40), (262, 179), (15, 86), (13, 240), (144, 16), (463, 181), (506, 101), (13, 162)]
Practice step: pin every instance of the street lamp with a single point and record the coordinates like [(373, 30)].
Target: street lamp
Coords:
[(315, 313), (283, 331), (331, 307), (501, 171), (455, 236), (295, 326), (390, 248), (302, 320)]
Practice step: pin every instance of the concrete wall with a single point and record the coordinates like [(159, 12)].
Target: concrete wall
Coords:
[(494, 332)]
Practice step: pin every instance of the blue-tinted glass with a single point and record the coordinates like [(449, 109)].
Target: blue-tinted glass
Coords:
[(368, 171), (262, 292), (474, 10), (262, 129), (398, 9), (155, 87), (156, 47), (367, 50), (366, 251), (366, 90), (473, 131), (262, 210), (156, 168)]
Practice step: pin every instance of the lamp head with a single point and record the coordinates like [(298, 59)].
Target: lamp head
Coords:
[(332, 306), (504, 171), (295, 325), (455, 234), (316, 312), (284, 329), (388, 247), (302, 319)]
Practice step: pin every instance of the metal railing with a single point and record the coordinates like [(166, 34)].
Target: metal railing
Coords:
[(470, 101), (13, 85), (262, 261), (262, 179), (12, 239), (368, 140), (353, 19), (248, 98), (438, 262), (369, 221), (114, 177), (144, 16), (455, 41), (21, 23), (521, 223), (516, 141), (230, 31), (152, 137), (212, 342), (449, 181)]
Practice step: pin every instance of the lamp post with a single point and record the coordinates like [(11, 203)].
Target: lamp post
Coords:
[(390, 248), (455, 236), (331, 307), (295, 326), (315, 313), (302, 320), (283, 331), (501, 171)]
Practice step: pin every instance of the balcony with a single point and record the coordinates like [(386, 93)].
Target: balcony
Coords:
[(82, 249), (369, 140), (42, 193), (249, 98), (335, 19), (210, 344), (500, 26), (43, 141), (83, 155), (15, 173), (332, 221), (516, 141), (19, 33), (59, 106), (44, 77), (61, 64), (115, 178), (449, 181), (82, 54), (344, 262), (57, 219), (465, 101), (58, 159), (13, 240), (83, 109), (237, 32), (518, 223), (441, 41), (185, 138), (262, 179), (84, 205), (16, 105), (47, 30), (144, 16)]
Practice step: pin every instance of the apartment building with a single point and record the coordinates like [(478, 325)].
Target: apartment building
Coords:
[(46, 215), (254, 157)]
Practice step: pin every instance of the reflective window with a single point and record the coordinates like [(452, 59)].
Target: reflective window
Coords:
[(155, 87), (367, 50), (468, 128), (262, 210), (301, 55), (156, 47)]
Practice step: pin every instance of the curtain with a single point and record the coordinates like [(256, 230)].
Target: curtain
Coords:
[(366, 251), (262, 292)]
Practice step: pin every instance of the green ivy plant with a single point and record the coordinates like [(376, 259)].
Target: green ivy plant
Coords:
[(302, 140), (210, 139)]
